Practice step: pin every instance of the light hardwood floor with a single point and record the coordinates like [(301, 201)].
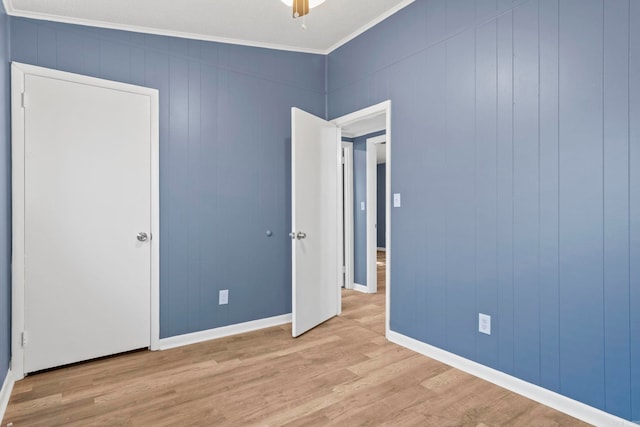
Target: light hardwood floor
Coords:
[(343, 372)]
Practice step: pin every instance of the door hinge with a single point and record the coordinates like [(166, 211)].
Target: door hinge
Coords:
[(344, 269), (24, 338), (24, 100)]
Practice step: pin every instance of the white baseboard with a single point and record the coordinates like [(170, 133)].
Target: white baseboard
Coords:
[(224, 331), (549, 398), (382, 249), (5, 393), (360, 288)]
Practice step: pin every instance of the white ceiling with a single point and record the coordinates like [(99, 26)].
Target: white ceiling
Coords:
[(263, 23)]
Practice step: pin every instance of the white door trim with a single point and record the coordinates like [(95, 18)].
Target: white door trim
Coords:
[(348, 214), (372, 212), (18, 72), (383, 107)]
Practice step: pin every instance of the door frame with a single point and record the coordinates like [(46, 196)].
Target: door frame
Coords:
[(18, 73), (347, 185), (382, 107), (372, 212)]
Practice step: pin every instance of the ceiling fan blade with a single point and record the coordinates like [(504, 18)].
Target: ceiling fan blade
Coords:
[(300, 8)]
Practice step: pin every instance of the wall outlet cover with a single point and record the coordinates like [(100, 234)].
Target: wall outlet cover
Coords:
[(484, 323)]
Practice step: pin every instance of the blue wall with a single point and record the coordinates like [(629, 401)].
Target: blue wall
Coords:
[(518, 164), (381, 204), (5, 198), (514, 151), (224, 159), (360, 216)]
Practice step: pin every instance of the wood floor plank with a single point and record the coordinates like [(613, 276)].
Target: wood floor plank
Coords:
[(344, 372)]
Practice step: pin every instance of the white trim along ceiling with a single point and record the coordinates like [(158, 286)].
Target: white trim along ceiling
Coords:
[(258, 23)]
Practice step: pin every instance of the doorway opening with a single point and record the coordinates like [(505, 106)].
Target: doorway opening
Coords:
[(318, 214), (366, 147)]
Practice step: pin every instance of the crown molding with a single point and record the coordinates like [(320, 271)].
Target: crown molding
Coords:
[(8, 5), (368, 26), (156, 31)]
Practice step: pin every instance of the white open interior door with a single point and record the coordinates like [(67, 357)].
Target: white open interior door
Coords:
[(87, 221), (316, 220)]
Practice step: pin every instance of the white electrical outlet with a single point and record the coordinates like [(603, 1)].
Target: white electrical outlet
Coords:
[(484, 323), (223, 297)]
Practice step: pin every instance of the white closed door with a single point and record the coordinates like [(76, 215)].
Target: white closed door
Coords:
[(87, 197), (316, 220)]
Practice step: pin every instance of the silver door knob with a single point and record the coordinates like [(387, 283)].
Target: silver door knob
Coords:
[(300, 235), (142, 236)]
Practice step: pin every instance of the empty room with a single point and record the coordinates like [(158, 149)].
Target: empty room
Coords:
[(320, 212)]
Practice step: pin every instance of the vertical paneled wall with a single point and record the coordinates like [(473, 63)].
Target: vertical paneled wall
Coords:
[(5, 198), (617, 312), (224, 159), (516, 148)]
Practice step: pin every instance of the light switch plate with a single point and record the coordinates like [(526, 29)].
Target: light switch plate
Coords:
[(223, 297), (361, 206), (396, 200)]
